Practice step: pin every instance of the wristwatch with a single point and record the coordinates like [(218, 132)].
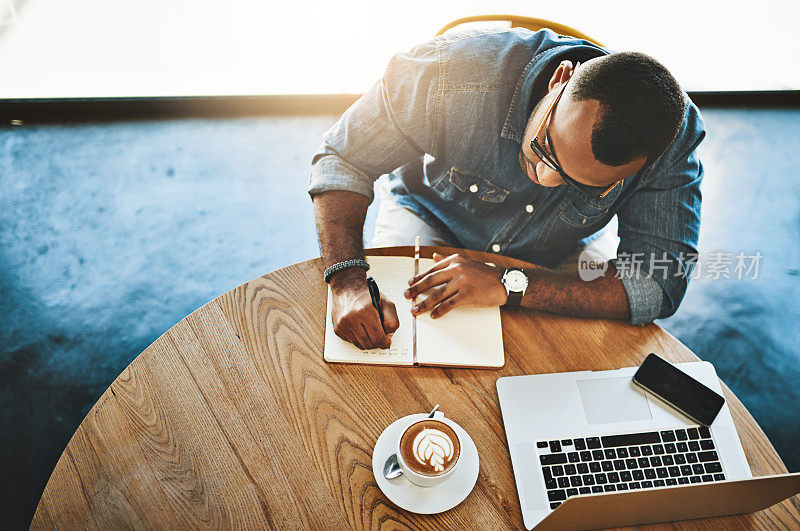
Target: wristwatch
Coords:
[(516, 282)]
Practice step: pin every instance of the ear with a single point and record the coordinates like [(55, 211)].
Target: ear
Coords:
[(562, 74)]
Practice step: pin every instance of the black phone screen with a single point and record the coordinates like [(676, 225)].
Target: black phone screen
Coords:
[(679, 389)]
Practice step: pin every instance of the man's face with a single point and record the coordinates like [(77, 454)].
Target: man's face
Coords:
[(570, 126)]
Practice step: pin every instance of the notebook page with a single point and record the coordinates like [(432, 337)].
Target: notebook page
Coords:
[(392, 274), (466, 336)]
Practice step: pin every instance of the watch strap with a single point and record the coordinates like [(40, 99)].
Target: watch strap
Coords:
[(514, 298)]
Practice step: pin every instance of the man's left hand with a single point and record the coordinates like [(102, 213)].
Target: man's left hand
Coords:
[(456, 281)]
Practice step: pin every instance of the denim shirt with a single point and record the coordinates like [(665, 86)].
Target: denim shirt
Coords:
[(447, 121)]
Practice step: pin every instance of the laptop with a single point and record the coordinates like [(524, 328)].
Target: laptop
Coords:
[(591, 449)]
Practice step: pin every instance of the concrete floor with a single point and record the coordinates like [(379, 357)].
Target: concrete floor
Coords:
[(111, 233)]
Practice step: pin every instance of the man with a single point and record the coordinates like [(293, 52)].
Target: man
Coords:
[(518, 143)]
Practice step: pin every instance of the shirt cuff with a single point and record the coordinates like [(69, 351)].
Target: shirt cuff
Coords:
[(331, 172), (645, 297)]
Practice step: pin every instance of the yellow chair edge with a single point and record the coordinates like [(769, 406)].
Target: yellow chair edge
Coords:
[(516, 21)]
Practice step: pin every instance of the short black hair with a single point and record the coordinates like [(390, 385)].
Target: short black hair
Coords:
[(641, 106)]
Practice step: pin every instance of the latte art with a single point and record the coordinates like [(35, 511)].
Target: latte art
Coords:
[(433, 448), (429, 447)]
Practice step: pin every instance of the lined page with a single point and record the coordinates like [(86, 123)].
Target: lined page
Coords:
[(392, 274), (466, 336)]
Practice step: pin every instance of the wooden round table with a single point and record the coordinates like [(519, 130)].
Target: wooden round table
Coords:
[(233, 419)]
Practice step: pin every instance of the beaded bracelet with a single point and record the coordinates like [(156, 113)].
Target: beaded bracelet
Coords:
[(347, 264)]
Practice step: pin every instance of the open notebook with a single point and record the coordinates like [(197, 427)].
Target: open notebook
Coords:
[(468, 337)]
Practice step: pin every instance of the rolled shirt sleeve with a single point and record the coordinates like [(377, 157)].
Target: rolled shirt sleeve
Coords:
[(645, 298), (659, 228), (389, 126)]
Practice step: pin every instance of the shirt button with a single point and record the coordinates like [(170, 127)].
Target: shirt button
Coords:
[(528, 208), (473, 188), (496, 247)]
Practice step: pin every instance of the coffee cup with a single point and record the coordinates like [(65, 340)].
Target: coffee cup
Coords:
[(429, 451)]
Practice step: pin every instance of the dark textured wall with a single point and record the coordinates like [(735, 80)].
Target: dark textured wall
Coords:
[(111, 233)]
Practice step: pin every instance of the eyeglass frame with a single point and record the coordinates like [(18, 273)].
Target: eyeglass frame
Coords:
[(554, 165)]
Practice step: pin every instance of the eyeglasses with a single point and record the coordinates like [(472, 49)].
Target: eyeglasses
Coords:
[(552, 162)]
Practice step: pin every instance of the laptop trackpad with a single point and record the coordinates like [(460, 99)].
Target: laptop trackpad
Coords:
[(613, 400)]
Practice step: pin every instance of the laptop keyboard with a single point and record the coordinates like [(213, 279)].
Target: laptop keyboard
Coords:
[(630, 461)]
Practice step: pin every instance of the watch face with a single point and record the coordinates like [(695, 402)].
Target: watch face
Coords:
[(515, 281)]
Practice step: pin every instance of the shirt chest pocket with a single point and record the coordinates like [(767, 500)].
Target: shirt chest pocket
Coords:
[(471, 191), (571, 224)]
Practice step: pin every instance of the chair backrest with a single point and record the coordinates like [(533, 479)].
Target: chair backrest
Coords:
[(530, 23)]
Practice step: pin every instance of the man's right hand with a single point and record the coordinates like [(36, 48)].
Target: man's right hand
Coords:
[(354, 317)]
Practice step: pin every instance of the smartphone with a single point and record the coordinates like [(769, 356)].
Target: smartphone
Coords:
[(678, 389)]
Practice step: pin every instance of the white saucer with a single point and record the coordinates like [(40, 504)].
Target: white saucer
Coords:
[(425, 500)]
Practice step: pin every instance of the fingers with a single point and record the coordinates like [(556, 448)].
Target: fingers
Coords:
[(360, 338), (356, 320), (446, 305), (441, 262), (371, 323), (427, 282), (346, 334), (377, 338), (372, 334), (435, 267), (437, 296), (390, 320), (352, 334), (365, 335)]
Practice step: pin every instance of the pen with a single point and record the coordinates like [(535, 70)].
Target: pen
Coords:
[(375, 294), (414, 300)]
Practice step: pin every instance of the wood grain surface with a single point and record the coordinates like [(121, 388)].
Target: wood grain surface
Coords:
[(232, 419)]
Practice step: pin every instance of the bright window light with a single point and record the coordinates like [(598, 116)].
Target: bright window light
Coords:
[(102, 48)]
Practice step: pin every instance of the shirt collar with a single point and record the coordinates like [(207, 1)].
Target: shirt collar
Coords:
[(532, 82)]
